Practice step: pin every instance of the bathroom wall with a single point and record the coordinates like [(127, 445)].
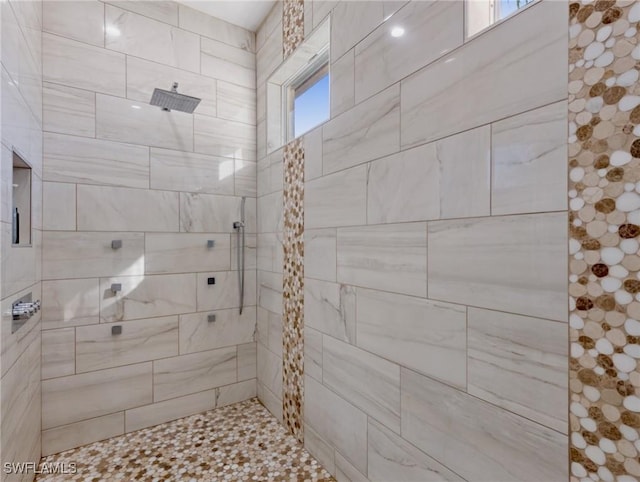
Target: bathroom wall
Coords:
[(435, 245), (21, 131), (161, 183)]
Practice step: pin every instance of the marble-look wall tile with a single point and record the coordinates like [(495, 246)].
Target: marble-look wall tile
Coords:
[(529, 151), (214, 28), (495, 263), (312, 146), (67, 110), (221, 137), (83, 21), (250, 250), (245, 178), (228, 53), (342, 90), (367, 381), (270, 173), (271, 23), (109, 209), (236, 103), (391, 257), (270, 370), (477, 440), (58, 206), (130, 33), (519, 363), (187, 171), (247, 362), (270, 215), (270, 291), (70, 302), (68, 254), (88, 395), (197, 333), (174, 377), (143, 76), (269, 56), (208, 213), (140, 123), (322, 8), (320, 260), (224, 293), (185, 253), (339, 199), (270, 255), (427, 336), (366, 132), (313, 353), (92, 161), (489, 78), (162, 10), (58, 353), (334, 419), (140, 340), (270, 401), (147, 296), (320, 449), (65, 437), (77, 64), (392, 458), (236, 392), (351, 22), (330, 308)]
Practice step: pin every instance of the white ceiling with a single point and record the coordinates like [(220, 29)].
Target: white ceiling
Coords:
[(248, 14)]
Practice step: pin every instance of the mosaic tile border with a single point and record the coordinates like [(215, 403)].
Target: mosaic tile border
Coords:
[(604, 224), (293, 289), (292, 25)]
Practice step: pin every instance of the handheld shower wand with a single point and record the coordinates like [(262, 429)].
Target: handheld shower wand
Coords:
[(239, 227)]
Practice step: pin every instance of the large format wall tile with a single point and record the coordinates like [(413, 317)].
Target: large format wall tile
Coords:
[(76, 64), (83, 21), (68, 254), (80, 397), (221, 137), (389, 257), (431, 29), (214, 28), (228, 63), (134, 34), (320, 247), (197, 333), (225, 292), (139, 123), (330, 308), (236, 103), (368, 131), (507, 263), (147, 296), (76, 434), (247, 361), (163, 10), (58, 353), (351, 22), (269, 370), (489, 78), (70, 302), (186, 253), (530, 151), (270, 215), (174, 377), (93, 161), (58, 206), (110, 209), (369, 382), (341, 92), (67, 110), (424, 335), (519, 363), (475, 439), (208, 213), (140, 340)]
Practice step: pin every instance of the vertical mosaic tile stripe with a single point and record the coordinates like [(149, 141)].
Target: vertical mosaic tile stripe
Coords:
[(604, 217), (293, 289), (292, 25)]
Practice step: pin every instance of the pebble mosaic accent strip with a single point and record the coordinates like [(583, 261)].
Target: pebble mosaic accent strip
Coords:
[(604, 217), (292, 25), (238, 442), (293, 289)]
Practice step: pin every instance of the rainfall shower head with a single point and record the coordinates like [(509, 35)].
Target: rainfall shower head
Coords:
[(171, 100)]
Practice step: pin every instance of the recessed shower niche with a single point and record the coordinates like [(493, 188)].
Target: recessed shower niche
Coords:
[(21, 196)]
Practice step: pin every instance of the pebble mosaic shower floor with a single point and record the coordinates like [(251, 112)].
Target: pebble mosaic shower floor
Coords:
[(238, 442)]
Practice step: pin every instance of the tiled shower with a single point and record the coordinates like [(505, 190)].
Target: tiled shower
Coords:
[(440, 279)]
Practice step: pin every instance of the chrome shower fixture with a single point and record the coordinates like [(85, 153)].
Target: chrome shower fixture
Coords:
[(171, 100)]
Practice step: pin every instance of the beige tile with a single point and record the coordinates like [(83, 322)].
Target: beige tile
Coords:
[(225, 293), (247, 361), (147, 296), (58, 353), (269, 370), (90, 255), (186, 253), (214, 28), (210, 213), (236, 103), (80, 397), (140, 340), (270, 291), (236, 392), (489, 78), (70, 302), (528, 151), (93, 161), (245, 178), (312, 145), (336, 420), (174, 377), (197, 333), (495, 263), (330, 308), (390, 257), (270, 401), (351, 22), (472, 437), (427, 336), (368, 381), (272, 22), (59, 206), (102, 208), (320, 449), (520, 363), (313, 353), (77, 64), (270, 252), (221, 137), (228, 63), (161, 412), (164, 11), (269, 56), (250, 251), (83, 21), (65, 437), (67, 110), (346, 472), (271, 213), (320, 254), (342, 90), (368, 131)]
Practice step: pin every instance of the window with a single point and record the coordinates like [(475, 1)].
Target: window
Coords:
[(481, 14)]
